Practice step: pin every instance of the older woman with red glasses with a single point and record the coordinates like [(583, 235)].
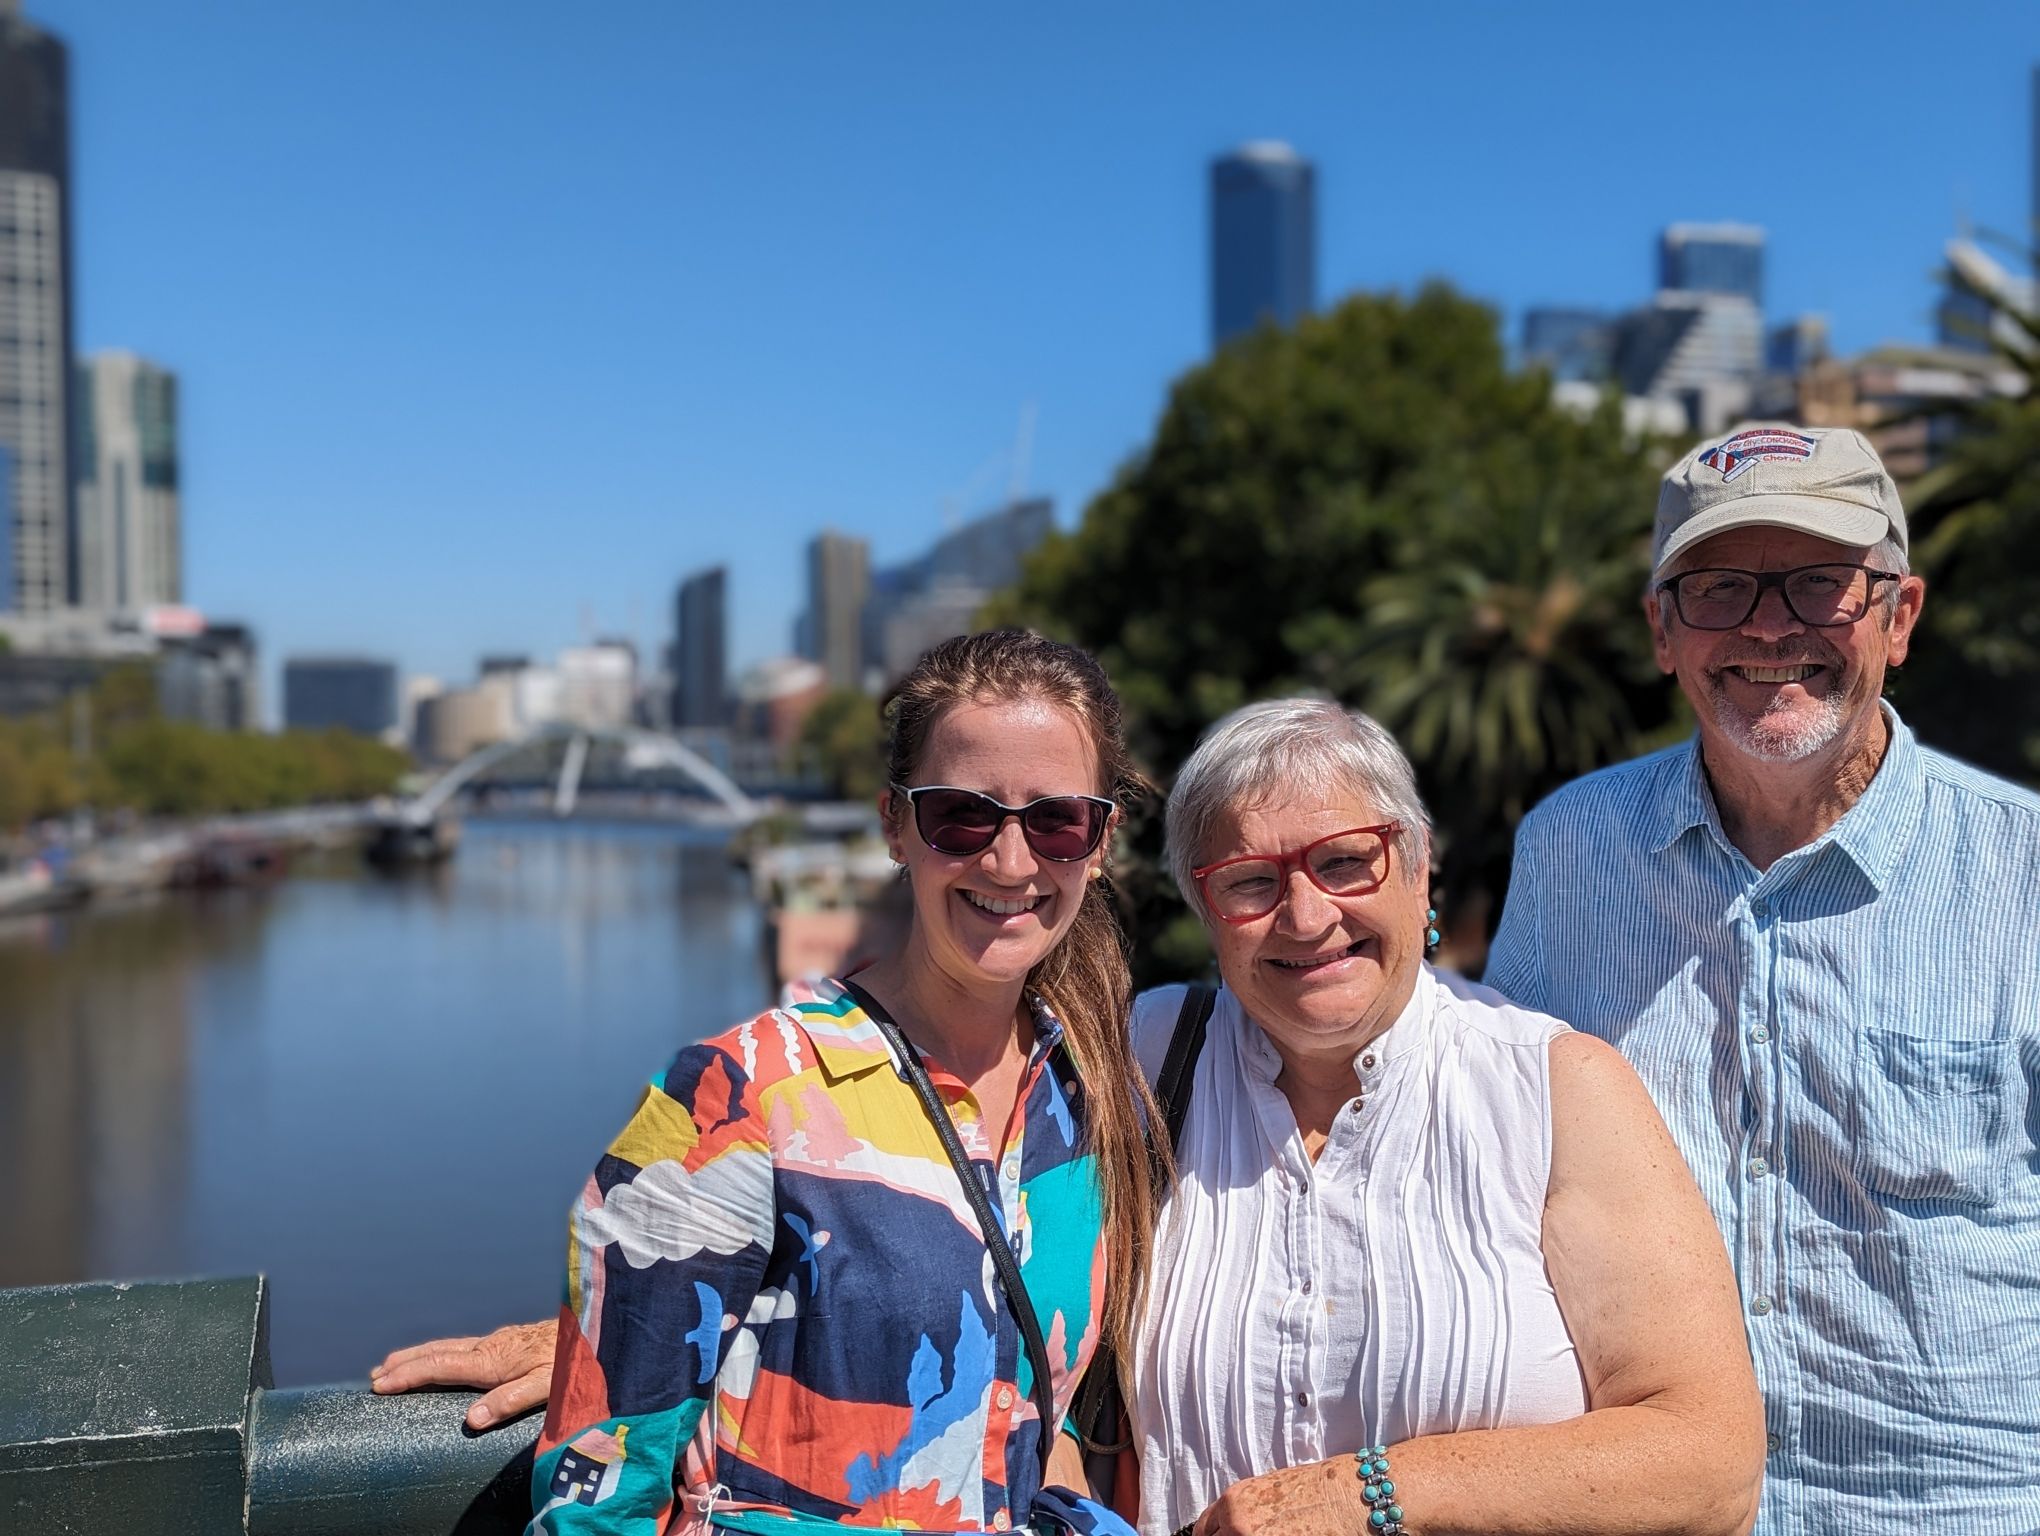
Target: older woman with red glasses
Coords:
[(1431, 1262)]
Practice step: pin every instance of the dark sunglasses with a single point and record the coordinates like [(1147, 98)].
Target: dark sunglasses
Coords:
[(1059, 828)]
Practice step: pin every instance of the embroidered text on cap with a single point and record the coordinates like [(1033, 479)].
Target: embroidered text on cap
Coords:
[(1738, 453)]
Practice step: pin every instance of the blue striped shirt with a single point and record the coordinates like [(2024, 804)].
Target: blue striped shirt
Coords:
[(1847, 1048)]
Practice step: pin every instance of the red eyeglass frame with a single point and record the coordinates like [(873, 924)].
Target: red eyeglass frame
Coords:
[(1298, 858)]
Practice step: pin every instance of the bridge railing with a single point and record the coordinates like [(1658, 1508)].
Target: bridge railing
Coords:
[(149, 1407)]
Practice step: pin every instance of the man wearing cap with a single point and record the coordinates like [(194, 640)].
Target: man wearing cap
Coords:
[(1819, 943)]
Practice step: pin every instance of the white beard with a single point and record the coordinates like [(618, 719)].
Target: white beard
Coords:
[(1781, 734)]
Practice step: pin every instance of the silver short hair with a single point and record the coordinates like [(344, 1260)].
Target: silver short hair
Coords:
[(1309, 749)]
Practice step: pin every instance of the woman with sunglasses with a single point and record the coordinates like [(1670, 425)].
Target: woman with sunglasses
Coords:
[(848, 1261), (1430, 1261)]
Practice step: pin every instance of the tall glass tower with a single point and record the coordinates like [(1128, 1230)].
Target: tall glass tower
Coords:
[(1263, 239), (1713, 258), (35, 296)]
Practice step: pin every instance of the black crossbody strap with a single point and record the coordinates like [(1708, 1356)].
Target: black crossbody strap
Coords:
[(1099, 1407), (1172, 1087), (1008, 1267)]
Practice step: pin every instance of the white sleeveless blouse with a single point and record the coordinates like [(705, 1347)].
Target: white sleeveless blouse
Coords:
[(1396, 1288)]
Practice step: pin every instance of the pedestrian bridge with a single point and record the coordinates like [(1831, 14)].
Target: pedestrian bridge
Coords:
[(641, 751)]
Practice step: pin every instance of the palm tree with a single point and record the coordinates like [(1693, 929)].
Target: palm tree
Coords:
[(1503, 644), (1972, 684)]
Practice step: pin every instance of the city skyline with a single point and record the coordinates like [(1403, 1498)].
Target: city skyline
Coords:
[(401, 432)]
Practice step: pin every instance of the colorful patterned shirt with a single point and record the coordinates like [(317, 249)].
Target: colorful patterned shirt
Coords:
[(781, 1312)]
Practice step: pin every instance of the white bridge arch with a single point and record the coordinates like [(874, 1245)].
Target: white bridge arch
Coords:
[(641, 749)]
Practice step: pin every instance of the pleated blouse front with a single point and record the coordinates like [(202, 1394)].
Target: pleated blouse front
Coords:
[(1395, 1288)]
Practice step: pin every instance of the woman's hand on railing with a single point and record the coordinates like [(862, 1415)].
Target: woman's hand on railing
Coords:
[(512, 1367)]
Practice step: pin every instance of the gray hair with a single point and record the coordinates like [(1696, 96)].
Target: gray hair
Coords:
[(1311, 749)]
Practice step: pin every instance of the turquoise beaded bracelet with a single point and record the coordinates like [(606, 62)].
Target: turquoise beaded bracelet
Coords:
[(1378, 1488)]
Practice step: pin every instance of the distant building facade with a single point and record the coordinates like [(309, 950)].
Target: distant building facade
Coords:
[(1574, 345), (833, 628), (1713, 258), (459, 721), (598, 684), (700, 659), (925, 601), (210, 678), (775, 697), (1263, 239), (35, 299), (351, 693), (130, 543), (1974, 289)]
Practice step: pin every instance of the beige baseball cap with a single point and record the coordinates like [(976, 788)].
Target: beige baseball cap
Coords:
[(1826, 481)]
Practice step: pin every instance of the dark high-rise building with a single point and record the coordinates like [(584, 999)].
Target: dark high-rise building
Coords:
[(1263, 239), (700, 659), (354, 693), (1713, 258), (35, 299)]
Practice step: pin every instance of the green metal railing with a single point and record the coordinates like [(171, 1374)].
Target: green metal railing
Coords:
[(149, 1408)]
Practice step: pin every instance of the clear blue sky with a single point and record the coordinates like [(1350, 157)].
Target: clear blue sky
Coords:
[(492, 314)]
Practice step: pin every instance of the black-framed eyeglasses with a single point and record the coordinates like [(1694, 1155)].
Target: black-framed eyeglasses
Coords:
[(1819, 596), (959, 822)]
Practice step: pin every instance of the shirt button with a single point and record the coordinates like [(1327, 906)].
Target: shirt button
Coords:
[(1761, 1306), (1304, 1185), (1306, 1286), (1367, 1061), (1760, 1034), (1771, 1444), (1758, 1167), (1760, 908), (1005, 1396), (1303, 1399)]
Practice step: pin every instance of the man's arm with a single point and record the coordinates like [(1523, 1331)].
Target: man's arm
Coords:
[(513, 1368)]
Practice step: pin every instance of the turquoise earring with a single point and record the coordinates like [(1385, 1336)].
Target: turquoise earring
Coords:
[(1431, 932)]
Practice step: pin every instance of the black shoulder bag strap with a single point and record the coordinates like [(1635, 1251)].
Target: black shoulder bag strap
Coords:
[(916, 1074), (1100, 1409)]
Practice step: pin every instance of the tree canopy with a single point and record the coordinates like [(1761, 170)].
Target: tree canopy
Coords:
[(1972, 683), (1374, 507), (110, 749)]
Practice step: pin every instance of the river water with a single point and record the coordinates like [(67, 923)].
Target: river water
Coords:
[(382, 1092)]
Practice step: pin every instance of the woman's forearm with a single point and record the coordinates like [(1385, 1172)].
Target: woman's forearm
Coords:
[(1683, 1469)]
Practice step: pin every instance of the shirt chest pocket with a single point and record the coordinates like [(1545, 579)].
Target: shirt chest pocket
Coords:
[(1935, 1118)]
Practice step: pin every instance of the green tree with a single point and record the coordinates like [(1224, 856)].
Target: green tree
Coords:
[(1372, 506), (1972, 682), (844, 738)]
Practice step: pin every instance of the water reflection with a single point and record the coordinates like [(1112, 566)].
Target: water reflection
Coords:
[(383, 1093)]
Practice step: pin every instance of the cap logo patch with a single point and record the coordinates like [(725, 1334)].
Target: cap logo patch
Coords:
[(1737, 454)]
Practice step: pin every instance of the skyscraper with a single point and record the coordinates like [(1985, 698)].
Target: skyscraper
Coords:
[(700, 663), (1713, 258), (1263, 239), (129, 540), (35, 296), (839, 582)]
